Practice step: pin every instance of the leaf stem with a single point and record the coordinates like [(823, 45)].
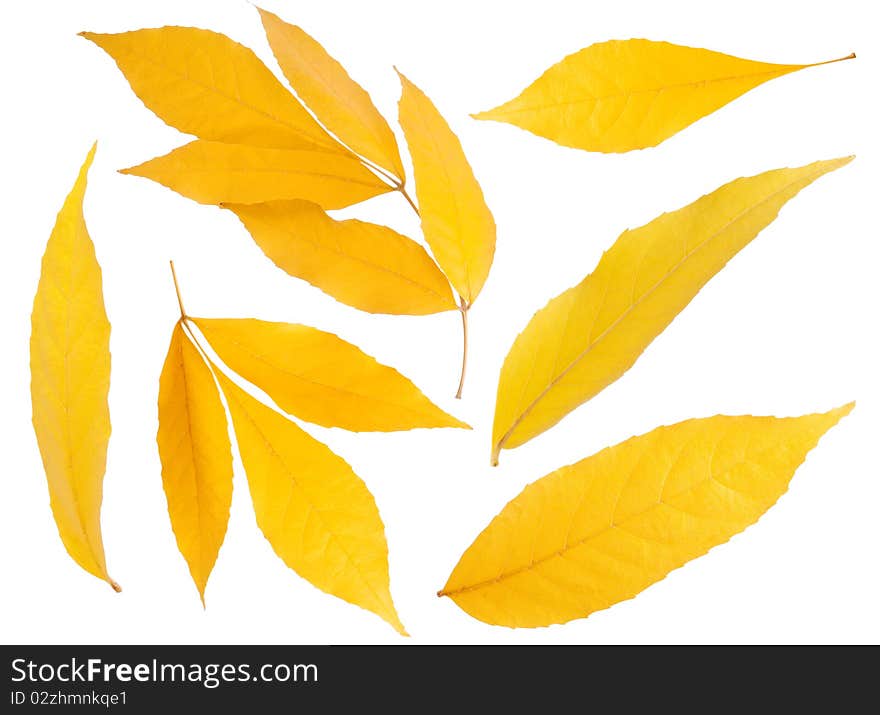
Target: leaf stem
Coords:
[(850, 56), (496, 453), (463, 309), (393, 180), (402, 189), (185, 323), (177, 290)]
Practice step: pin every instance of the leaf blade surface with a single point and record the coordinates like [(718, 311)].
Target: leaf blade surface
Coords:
[(600, 531), (621, 95), (317, 514), (320, 378), (70, 380), (196, 456), (456, 221), (203, 83), (340, 103), (588, 336), (216, 173), (364, 265)]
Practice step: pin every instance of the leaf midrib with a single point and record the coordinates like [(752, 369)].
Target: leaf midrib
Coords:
[(458, 239), (352, 108), (370, 398), (283, 171), (95, 550), (363, 261), (614, 525), (170, 69), (194, 460), (784, 69)]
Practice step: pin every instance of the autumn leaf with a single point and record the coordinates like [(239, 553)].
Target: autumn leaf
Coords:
[(588, 336), (204, 83), (317, 514), (364, 265), (457, 224), (320, 378), (196, 456), (621, 95), (70, 380), (340, 103), (214, 173), (600, 531)]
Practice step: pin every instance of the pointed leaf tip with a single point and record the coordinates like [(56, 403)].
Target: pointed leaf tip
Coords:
[(838, 413)]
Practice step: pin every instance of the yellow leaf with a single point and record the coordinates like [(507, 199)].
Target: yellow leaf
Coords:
[(339, 102), (317, 514), (320, 378), (621, 95), (204, 83), (360, 264), (196, 456), (587, 337), (600, 531), (70, 379), (457, 224), (215, 173)]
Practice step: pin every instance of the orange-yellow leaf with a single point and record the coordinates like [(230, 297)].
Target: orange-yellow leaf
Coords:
[(337, 100), (600, 531), (321, 378), (589, 335), (215, 173), (364, 265), (457, 224), (196, 456), (317, 514), (70, 379), (204, 83), (621, 95)]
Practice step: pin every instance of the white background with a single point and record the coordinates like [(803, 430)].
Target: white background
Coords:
[(789, 327)]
